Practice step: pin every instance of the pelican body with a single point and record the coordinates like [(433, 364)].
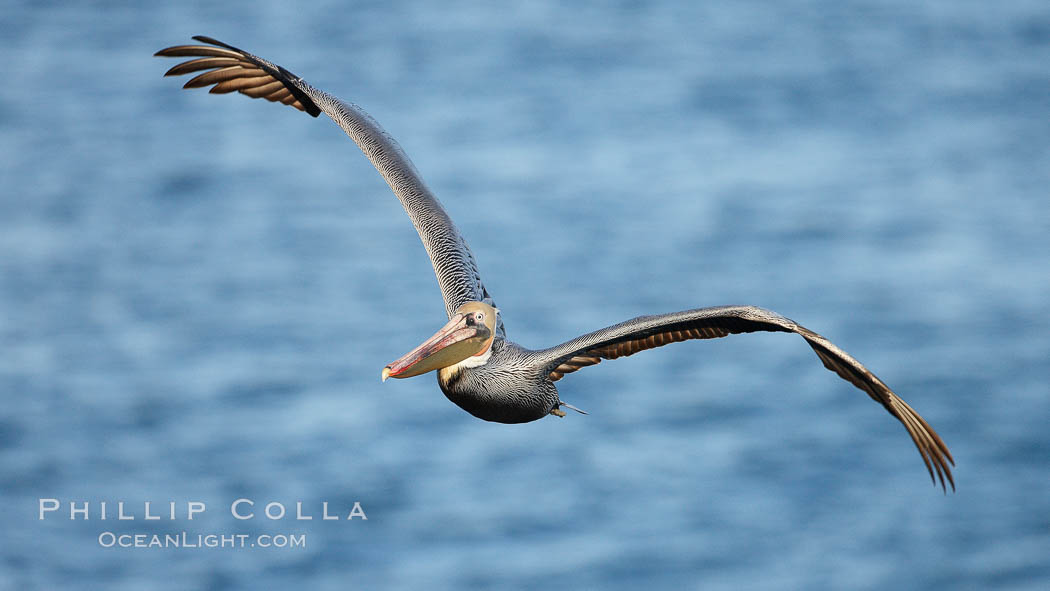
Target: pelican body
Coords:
[(477, 367)]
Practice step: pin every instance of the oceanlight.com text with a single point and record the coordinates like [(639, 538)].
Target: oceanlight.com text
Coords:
[(195, 541)]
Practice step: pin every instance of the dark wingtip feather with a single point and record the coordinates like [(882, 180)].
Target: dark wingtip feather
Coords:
[(206, 61), (216, 42)]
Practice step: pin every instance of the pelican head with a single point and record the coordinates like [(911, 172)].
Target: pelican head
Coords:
[(466, 341)]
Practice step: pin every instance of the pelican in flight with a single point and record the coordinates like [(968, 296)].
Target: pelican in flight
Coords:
[(478, 368)]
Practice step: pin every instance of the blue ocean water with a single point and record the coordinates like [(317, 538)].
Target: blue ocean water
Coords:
[(197, 294)]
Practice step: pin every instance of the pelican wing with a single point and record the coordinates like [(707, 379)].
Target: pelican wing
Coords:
[(647, 332), (227, 69)]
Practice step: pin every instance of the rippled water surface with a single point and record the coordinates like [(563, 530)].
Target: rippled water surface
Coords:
[(197, 294)]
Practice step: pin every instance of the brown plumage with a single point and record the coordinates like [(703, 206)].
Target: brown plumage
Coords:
[(648, 332), (232, 69), (503, 381)]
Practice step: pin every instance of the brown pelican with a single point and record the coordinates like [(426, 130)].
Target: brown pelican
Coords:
[(480, 370)]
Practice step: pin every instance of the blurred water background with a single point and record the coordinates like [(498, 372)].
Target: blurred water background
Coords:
[(197, 293)]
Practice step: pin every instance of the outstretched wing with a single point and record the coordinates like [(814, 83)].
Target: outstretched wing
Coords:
[(227, 69), (647, 332)]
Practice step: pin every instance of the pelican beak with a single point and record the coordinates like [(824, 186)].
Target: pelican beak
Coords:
[(461, 338)]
